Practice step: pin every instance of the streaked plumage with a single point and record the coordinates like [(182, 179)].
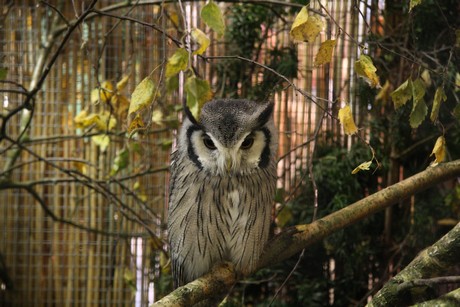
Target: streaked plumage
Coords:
[(223, 177)]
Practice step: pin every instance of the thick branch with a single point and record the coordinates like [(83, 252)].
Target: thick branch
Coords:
[(294, 239), (217, 282), (433, 261)]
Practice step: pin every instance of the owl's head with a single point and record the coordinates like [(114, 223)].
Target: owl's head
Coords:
[(231, 137)]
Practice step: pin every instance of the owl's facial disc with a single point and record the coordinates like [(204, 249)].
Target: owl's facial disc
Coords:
[(242, 157)]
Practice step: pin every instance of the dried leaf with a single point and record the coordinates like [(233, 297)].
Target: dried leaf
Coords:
[(213, 18), (306, 27), (142, 96), (365, 68), (402, 94), (198, 92), (439, 150), (346, 119), (103, 93), (384, 92), (177, 62), (102, 121), (365, 166), (136, 123), (324, 54), (202, 39), (439, 97), (122, 83)]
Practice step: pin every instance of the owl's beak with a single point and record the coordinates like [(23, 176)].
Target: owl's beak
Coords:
[(228, 164)]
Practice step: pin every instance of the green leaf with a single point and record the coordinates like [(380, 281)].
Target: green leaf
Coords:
[(198, 92), (120, 162), (419, 108), (439, 97), (284, 216), (456, 112), (172, 84), (177, 62), (142, 96), (402, 94), (213, 18), (418, 114), (3, 73)]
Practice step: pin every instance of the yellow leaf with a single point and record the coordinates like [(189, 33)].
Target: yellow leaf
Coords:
[(157, 117), (121, 104), (213, 18), (142, 96), (414, 3), (365, 166), (136, 123), (457, 82), (177, 62), (439, 150), (366, 69), (103, 93), (383, 93), (324, 54), (426, 78), (108, 121), (102, 141), (122, 83), (402, 94), (346, 119), (198, 92), (306, 27), (202, 39), (78, 119), (102, 121), (439, 97)]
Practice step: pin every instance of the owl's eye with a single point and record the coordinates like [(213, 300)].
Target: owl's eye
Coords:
[(208, 143), (247, 143)]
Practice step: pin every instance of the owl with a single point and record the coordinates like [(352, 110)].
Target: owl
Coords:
[(223, 178)]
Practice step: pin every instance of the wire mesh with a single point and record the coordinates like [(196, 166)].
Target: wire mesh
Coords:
[(70, 241)]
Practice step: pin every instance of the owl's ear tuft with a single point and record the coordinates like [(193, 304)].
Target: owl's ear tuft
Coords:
[(266, 114)]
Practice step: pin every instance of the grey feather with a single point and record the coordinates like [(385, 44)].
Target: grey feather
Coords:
[(221, 189)]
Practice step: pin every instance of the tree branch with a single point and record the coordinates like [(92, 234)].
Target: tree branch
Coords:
[(433, 261), (292, 240)]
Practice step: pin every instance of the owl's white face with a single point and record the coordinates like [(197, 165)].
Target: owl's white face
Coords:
[(232, 137), (241, 158)]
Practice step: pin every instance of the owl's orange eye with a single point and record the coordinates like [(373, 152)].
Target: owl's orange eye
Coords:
[(208, 143), (247, 143)]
